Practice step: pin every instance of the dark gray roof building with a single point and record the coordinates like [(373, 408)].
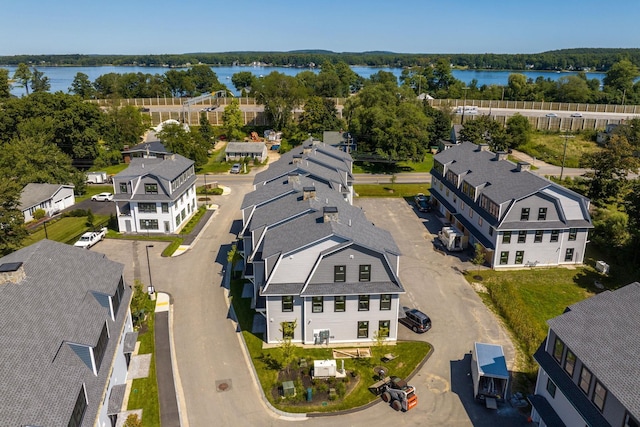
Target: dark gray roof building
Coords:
[(56, 302)]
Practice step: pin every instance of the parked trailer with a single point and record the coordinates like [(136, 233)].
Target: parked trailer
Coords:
[(452, 239), (489, 373), (97, 177)]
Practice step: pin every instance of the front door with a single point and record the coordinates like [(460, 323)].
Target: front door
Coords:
[(127, 225), (167, 229)]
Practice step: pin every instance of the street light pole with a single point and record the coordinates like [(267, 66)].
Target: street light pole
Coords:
[(150, 288), (564, 153)]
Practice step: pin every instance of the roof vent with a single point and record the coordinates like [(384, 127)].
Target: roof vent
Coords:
[(330, 214), (523, 166), (483, 147), (501, 155), (12, 272), (294, 177), (297, 158)]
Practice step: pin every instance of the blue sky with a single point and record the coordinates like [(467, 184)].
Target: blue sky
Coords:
[(410, 26)]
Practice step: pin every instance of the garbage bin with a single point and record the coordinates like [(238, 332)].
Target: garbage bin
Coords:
[(309, 394)]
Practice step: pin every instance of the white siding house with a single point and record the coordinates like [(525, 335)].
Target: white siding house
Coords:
[(52, 198), (241, 150), (519, 218), (155, 195)]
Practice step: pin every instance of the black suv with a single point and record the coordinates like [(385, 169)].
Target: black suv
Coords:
[(416, 320)]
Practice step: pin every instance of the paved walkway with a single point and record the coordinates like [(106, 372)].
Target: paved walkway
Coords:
[(169, 411)]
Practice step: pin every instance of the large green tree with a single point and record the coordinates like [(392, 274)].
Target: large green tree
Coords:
[(619, 79), (279, 94), (124, 126), (243, 80), (12, 231), (5, 87), (82, 86), (188, 144), (518, 130), (22, 75), (232, 121), (319, 115), (485, 130), (39, 82)]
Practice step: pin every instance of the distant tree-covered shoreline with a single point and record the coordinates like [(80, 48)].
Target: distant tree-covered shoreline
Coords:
[(593, 59)]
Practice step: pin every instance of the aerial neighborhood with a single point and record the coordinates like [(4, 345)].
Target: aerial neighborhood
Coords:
[(317, 245)]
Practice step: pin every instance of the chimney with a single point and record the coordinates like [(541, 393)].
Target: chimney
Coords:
[(523, 166), (11, 272), (294, 177), (501, 155), (306, 148), (330, 213), (483, 147), (297, 159), (308, 193)]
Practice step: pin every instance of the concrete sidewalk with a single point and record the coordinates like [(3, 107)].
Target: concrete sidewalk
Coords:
[(169, 410)]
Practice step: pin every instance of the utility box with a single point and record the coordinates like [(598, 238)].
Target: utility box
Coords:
[(324, 368), (288, 389), (602, 267)]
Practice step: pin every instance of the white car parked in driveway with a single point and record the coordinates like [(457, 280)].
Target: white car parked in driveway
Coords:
[(90, 238), (102, 197)]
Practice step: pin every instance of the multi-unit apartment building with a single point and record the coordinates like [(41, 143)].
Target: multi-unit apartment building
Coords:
[(589, 368), (66, 337), (520, 218), (314, 260), (155, 195)]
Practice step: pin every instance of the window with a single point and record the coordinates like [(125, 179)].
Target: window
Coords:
[(440, 185), (570, 363), (147, 207), (538, 237), (123, 187), (452, 177), (363, 302), (558, 349), (151, 189), (585, 379), (339, 303), (573, 232), (462, 205), (522, 236), (101, 347), (469, 190), (383, 328), (490, 231), (470, 212), (489, 206), (339, 273), (287, 303), (629, 421), (363, 329), (599, 395), (447, 192), (117, 297), (554, 235), (385, 302), (78, 409), (524, 214), (177, 220), (542, 214), (504, 257), (288, 330), (568, 256), (480, 221), (316, 304), (165, 207), (365, 273), (438, 167), (148, 224), (506, 237), (551, 387), (519, 257)]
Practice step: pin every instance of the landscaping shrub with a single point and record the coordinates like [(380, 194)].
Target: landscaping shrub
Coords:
[(39, 214)]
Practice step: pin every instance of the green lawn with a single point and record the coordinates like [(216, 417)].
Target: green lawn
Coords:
[(93, 190), (549, 147), (111, 170), (390, 168), (65, 230), (526, 299), (267, 361), (390, 190)]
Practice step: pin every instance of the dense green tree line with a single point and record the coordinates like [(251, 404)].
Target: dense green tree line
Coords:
[(566, 59)]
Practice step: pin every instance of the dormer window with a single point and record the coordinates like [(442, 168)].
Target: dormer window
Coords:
[(452, 178), (542, 214), (524, 214), (151, 189), (101, 347), (469, 190), (79, 409), (123, 187)]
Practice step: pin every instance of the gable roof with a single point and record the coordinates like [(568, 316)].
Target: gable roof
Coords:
[(604, 333), (245, 147), (56, 305), (167, 168), (33, 194), (154, 146)]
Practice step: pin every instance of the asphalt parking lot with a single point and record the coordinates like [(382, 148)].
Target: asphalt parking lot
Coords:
[(433, 284)]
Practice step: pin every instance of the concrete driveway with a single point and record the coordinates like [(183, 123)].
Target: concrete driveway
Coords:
[(209, 353)]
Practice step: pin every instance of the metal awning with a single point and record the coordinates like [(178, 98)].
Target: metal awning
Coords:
[(115, 399), (129, 345)]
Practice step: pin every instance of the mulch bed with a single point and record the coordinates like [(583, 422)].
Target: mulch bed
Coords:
[(318, 395)]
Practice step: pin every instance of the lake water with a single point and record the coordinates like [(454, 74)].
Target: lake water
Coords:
[(62, 77)]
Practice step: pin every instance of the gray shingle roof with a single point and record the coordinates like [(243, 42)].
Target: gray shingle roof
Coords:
[(604, 333), (245, 147), (168, 168), (53, 305), (34, 194), (155, 147)]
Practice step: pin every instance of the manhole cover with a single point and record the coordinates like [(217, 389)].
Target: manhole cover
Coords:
[(223, 385)]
